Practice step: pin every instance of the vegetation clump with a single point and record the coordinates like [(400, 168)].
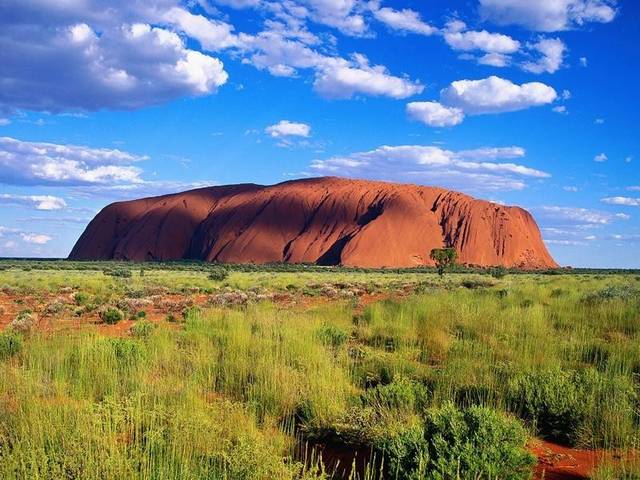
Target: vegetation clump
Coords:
[(476, 442), (10, 345), (218, 274), (143, 329), (444, 258), (498, 272), (332, 336), (24, 321), (611, 292), (110, 315), (118, 272)]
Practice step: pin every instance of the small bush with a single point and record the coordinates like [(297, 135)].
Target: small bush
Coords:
[(400, 395), (143, 329), (10, 345), (81, 298), (111, 315), (473, 283), (332, 336), (452, 443), (127, 351), (190, 312), (585, 408), (170, 318), (24, 321), (498, 272), (622, 292), (477, 442), (218, 274), (118, 272)]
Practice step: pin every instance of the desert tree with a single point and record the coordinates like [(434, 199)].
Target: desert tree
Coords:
[(444, 258)]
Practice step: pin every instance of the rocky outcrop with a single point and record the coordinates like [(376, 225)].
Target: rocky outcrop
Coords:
[(328, 221)]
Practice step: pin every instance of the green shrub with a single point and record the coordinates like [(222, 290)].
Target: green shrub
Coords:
[(400, 395), (404, 453), (139, 315), (584, 407), (127, 351), (118, 272), (10, 344), (190, 312), (612, 292), (218, 274), (550, 401), (332, 336), (477, 442), (111, 315), (143, 329), (452, 443), (498, 272), (473, 283), (81, 298)]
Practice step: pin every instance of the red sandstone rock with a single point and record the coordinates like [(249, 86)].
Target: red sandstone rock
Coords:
[(328, 221)]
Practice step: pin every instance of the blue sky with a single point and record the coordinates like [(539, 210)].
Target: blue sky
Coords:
[(524, 103)]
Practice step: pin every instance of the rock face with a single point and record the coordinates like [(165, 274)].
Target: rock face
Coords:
[(327, 221)]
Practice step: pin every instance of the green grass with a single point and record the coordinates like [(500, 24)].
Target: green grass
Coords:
[(447, 382)]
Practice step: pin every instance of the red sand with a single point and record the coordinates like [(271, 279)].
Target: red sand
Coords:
[(556, 462), (328, 221)]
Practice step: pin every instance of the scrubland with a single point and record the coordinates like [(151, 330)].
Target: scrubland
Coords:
[(268, 374)]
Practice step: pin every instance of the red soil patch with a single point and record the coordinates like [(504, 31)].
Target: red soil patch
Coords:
[(556, 462)]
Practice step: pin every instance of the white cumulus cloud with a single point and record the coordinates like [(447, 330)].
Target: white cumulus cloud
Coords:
[(39, 163), (435, 114), (496, 95), (35, 238), (285, 128), (39, 202), (476, 170), (342, 80), (459, 39), (479, 97), (405, 20), (551, 55), (335, 77), (62, 56), (548, 15)]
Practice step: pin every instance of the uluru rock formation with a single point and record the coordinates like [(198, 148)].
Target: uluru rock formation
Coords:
[(327, 221)]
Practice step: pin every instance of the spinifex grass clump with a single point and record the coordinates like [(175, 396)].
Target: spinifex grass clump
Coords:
[(111, 315), (10, 344)]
